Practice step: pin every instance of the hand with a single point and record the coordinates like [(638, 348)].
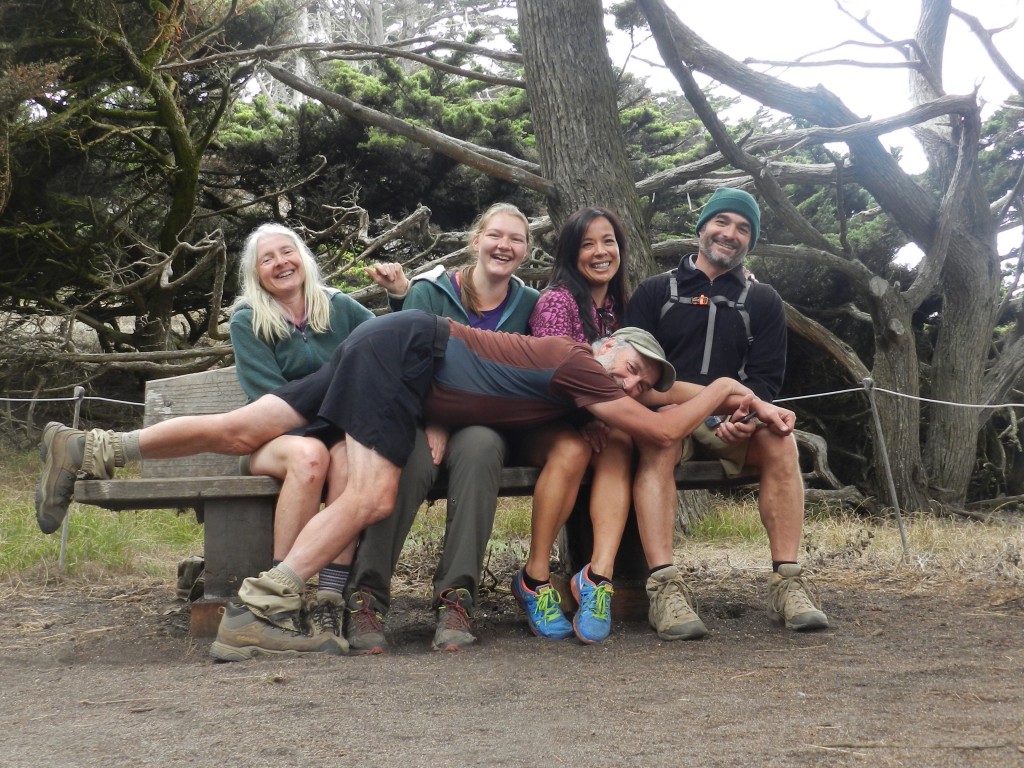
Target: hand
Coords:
[(437, 439), (596, 433), (781, 421), (391, 277)]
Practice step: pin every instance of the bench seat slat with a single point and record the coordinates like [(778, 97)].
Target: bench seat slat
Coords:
[(157, 493)]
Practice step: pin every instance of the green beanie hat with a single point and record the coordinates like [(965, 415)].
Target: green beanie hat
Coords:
[(733, 201)]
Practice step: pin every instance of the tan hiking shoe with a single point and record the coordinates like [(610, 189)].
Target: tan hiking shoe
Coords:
[(793, 600), (454, 621), (61, 451), (671, 613), (325, 615), (68, 455), (364, 624), (242, 635)]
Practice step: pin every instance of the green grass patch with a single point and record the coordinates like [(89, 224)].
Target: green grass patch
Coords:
[(730, 522), (511, 521), (99, 541)]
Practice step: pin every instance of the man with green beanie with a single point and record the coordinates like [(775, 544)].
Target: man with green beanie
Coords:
[(713, 320)]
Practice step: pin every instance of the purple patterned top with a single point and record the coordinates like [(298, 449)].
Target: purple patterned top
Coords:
[(556, 314)]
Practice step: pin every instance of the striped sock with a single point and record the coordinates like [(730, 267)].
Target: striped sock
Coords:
[(333, 578)]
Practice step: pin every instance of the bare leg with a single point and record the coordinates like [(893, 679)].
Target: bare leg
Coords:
[(654, 495), (781, 494), (610, 495), (563, 455), (301, 463), (235, 433), (337, 481), (381, 544), (368, 497)]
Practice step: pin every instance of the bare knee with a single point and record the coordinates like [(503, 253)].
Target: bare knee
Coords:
[(570, 453), (772, 452), (654, 457), (308, 462)]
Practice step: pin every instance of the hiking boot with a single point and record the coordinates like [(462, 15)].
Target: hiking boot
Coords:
[(793, 600), (68, 455), (365, 624), (671, 613), (454, 621), (542, 608), (62, 449), (593, 620), (242, 635), (324, 617)]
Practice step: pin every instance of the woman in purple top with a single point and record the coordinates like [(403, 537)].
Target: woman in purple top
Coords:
[(585, 297)]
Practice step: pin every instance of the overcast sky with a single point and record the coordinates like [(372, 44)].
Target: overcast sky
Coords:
[(786, 30), (793, 28)]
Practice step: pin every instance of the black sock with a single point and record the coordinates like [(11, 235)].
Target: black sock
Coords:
[(777, 563), (598, 578), (657, 568), (531, 583)]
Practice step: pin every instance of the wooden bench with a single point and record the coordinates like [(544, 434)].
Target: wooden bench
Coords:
[(238, 511)]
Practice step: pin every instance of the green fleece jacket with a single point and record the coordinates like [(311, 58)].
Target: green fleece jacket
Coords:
[(433, 292), (263, 366)]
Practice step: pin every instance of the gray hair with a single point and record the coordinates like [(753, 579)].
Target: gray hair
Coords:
[(268, 321)]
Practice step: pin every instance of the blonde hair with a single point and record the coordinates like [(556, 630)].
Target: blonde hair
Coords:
[(469, 298), (268, 320)]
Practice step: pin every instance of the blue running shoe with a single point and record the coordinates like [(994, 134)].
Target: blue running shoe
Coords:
[(593, 620), (542, 609)]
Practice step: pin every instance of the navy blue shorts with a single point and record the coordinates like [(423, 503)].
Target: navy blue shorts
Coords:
[(373, 387)]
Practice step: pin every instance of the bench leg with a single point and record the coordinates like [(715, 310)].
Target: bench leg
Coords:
[(238, 542)]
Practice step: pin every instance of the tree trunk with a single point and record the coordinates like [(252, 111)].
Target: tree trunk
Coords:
[(896, 369), (969, 284), (575, 117)]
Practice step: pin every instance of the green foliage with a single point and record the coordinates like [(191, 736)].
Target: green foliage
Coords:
[(256, 122), (1002, 149)]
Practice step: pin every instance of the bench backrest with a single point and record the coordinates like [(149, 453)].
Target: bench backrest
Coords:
[(205, 392)]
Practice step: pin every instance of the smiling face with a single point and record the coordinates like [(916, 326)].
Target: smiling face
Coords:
[(724, 241), (633, 372), (501, 246), (598, 257), (279, 266)]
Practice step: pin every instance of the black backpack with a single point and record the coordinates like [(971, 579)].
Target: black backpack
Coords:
[(713, 303)]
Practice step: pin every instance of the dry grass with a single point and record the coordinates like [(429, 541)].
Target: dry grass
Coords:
[(729, 541)]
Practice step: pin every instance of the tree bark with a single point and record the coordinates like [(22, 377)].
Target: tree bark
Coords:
[(575, 117)]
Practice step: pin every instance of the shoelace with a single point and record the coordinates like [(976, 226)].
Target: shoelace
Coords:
[(366, 618), (548, 601), (676, 597), (326, 618), (455, 614), (599, 601), (795, 591)]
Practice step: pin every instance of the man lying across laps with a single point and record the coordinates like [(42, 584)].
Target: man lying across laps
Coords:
[(391, 372)]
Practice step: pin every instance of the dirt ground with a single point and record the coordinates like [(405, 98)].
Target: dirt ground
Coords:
[(915, 671)]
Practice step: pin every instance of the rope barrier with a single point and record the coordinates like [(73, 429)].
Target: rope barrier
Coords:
[(69, 399), (868, 388), (791, 399)]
